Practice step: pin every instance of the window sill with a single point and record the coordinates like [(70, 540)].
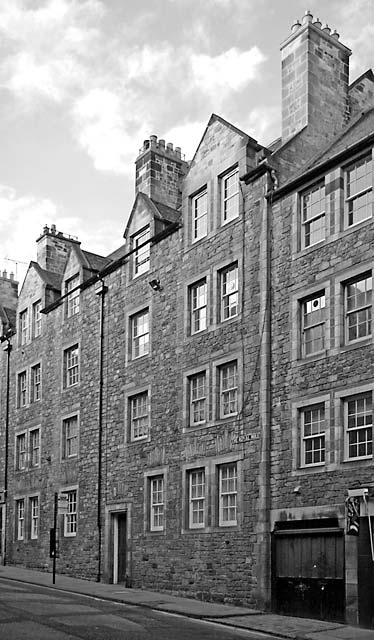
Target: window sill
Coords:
[(362, 342), (301, 253)]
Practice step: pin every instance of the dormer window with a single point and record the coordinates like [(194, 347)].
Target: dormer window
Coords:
[(72, 300), (141, 253)]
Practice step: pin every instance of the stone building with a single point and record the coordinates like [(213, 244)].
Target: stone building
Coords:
[(198, 404)]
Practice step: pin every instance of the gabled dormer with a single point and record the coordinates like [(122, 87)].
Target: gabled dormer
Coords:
[(147, 220), (80, 266), (211, 188)]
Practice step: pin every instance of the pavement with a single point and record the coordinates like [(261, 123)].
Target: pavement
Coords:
[(240, 617)]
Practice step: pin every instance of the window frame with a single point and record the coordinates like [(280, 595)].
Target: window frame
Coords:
[(356, 397), (71, 516), (200, 499), (35, 382), (348, 313), (351, 198), (34, 517), (36, 319), (34, 459), (21, 453), (142, 256), (198, 310), (72, 291), (307, 220), (153, 505), (193, 401), (225, 296), (71, 366), (221, 494), (130, 401), (20, 518), (311, 299), (23, 327), (22, 389), (197, 216), (135, 336), (67, 438), (224, 199), (228, 390), (312, 437)]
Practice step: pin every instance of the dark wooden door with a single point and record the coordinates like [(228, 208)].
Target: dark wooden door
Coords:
[(122, 547), (365, 576), (309, 574)]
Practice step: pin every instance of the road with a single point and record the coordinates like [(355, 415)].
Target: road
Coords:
[(29, 612)]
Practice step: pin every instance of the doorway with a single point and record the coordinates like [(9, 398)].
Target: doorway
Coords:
[(309, 573), (120, 573)]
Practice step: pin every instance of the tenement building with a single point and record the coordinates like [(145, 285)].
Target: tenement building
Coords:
[(193, 413)]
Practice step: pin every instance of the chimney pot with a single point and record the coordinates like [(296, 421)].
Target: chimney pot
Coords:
[(335, 34), (5, 275), (11, 275), (317, 23), (145, 145), (169, 146), (153, 140), (296, 25), (326, 29), (161, 143), (178, 151), (45, 229), (308, 17), (53, 229)]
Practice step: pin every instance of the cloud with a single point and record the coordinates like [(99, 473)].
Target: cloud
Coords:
[(47, 47), (22, 219), (101, 128), (232, 70)]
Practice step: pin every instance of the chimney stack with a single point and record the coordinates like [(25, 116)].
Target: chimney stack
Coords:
[(159, 170), (315, 74)]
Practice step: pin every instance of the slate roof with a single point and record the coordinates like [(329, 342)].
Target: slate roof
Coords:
[(360, 129), (95, 262), (51, 278)]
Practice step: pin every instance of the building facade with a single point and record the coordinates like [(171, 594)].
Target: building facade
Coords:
[(191, 412)]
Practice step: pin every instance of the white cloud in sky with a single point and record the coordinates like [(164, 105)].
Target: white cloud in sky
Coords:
[(22, 219), (115, 92), (230, 71), (102, 131)]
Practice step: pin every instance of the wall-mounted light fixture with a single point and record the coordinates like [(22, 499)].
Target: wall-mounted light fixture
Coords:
[(155, 284)]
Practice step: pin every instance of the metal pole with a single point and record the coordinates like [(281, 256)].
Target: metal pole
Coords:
[(8, 349), (100, 291), (55, 536)]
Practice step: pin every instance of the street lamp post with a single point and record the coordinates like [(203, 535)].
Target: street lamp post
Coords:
[(6, 337)]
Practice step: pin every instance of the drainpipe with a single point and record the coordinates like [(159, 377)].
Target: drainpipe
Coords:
[(100, 290), (8, 348), (263, 528)]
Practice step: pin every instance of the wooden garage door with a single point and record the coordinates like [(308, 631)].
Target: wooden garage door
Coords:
[(309, 573)]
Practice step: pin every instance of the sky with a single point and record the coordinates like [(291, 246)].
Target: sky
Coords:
[(84, 82)]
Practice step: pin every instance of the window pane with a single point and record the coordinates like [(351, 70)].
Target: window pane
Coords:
[(230, 196), (140, 334), (229, 292), (358, 298), (359, 420), (139, 416), (142, 254), (199, 216)]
